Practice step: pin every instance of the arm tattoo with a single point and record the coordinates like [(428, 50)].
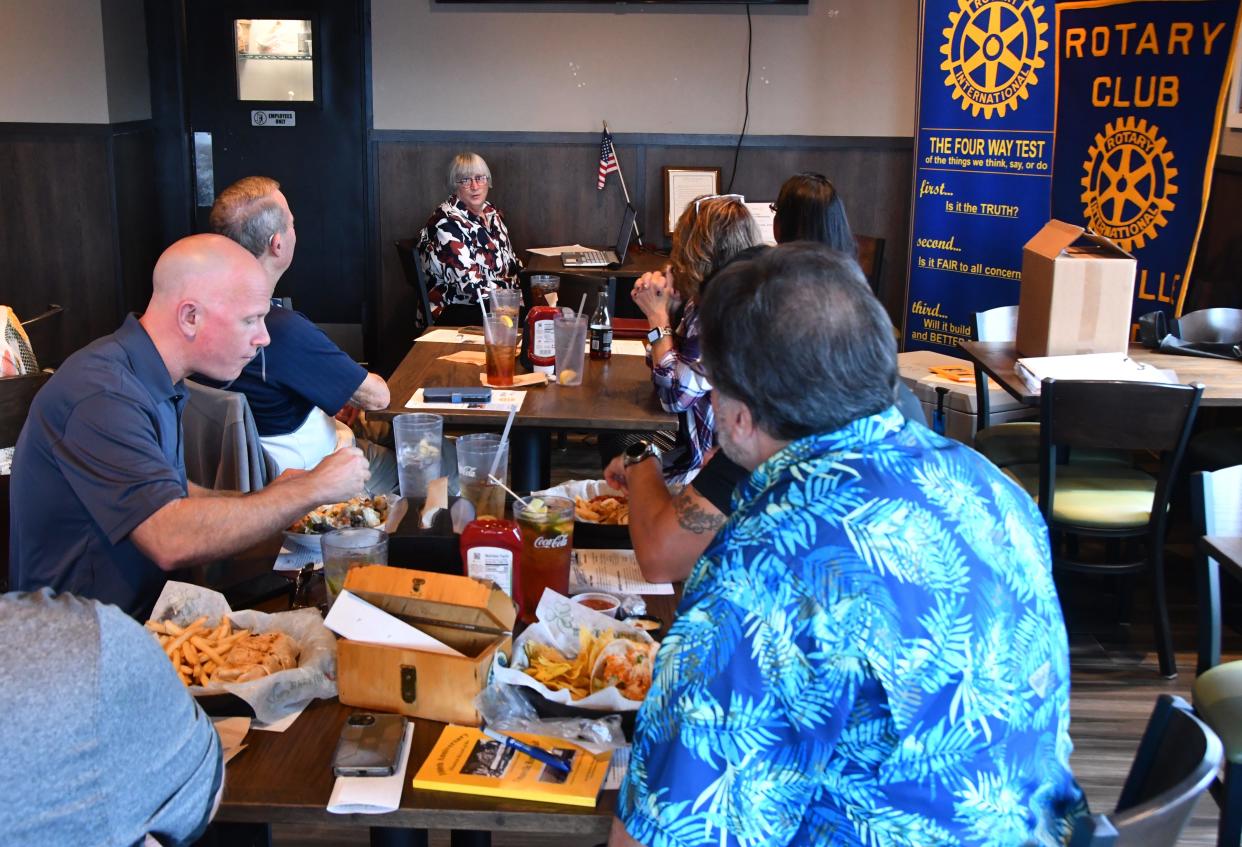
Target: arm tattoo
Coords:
[(694, 518)]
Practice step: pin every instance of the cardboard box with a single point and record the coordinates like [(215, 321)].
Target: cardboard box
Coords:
[(472, 616), (1077, 293), (960, 403)]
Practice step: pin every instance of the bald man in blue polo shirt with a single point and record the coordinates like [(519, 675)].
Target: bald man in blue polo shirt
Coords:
[(100, 504)]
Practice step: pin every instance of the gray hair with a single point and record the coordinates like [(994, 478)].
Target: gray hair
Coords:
[(467, 164), (247, 213), (796, 335)]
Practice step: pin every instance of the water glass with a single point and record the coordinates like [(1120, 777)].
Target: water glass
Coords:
[(344, 549), (417, 437), (571, 334), (475, 455)]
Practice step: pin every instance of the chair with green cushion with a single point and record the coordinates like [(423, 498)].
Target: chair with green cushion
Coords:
[(1109, 501), (1012, 442), (1216, 506)]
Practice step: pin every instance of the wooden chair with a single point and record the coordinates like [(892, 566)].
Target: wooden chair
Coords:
[(44, 332), (1216, 507), (1175, 763), (413, 269), (871, 259), (16, 395), (1107, 500)]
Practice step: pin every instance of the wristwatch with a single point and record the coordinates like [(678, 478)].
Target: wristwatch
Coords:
[(659, 332), (639, 451)]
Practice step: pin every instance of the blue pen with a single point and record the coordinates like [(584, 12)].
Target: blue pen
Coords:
[(534, 752)]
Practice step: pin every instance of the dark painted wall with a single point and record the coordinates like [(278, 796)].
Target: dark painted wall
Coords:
[(74, 223)]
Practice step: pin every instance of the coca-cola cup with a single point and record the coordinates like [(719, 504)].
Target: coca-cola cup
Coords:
[(547, 526)]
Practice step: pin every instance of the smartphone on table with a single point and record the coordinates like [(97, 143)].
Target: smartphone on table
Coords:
[(369, 745)]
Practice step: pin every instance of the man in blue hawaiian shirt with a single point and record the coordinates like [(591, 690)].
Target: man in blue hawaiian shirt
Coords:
[(871, 651)]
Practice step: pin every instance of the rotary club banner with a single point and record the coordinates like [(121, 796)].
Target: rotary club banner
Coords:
[(983, 160), (1141, 94)]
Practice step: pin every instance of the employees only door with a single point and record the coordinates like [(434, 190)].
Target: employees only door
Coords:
[(278, 89)]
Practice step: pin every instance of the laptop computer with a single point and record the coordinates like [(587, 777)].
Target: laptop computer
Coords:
[(604, 258)]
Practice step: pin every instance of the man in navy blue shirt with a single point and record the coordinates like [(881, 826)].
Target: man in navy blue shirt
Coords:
[(100, 505), (301, 380)]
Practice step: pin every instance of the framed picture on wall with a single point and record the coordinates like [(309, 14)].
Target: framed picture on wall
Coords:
[(1233, 114), (681, 186)]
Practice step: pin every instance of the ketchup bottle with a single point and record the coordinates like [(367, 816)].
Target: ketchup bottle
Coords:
[(492, 549), (540, 338)]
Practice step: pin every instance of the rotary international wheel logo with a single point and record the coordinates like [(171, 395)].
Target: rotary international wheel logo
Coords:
[(1128, 182), (992, 50)]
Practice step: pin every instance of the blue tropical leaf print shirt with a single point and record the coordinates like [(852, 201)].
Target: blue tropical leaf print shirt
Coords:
[(871, 652)]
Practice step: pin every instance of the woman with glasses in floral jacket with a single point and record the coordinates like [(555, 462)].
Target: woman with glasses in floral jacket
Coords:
[(465, 247)]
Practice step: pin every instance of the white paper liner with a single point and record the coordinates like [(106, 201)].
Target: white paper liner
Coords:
[(282, 693), (559, 620), (584, 488)]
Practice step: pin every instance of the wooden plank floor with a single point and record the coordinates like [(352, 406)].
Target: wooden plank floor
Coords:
[(1114, 685)]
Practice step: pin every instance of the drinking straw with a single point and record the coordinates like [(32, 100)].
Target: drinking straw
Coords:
[(487, 336), (521, 500), (504, 439), (582, 305)]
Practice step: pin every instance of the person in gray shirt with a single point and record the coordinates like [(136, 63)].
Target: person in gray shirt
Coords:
[(101, 743)]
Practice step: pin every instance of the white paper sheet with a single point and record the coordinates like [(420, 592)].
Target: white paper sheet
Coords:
[(442, 335), (686, 185), (502, 401), (282, 724), (764, 216), (295, 560), (354, 618), (617, 768), (1110, 366), (556, 251), (372, 795), (617, 572), (629, 347)]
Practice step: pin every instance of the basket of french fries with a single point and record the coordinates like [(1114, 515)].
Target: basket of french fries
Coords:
[(601, 513), (576, 657), (247, 662)]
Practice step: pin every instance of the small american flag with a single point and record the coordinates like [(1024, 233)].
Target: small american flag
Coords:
[(607, 159)]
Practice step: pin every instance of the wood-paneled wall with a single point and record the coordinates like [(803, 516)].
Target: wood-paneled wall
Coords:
[(75, 224), (1216, 279), (545, 185)]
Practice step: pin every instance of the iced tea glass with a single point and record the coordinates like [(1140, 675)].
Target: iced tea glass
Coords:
[(505, 302), (543, 285), (500, 337), (547, 526)]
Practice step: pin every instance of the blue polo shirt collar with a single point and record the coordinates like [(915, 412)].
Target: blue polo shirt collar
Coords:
[(147, 363)]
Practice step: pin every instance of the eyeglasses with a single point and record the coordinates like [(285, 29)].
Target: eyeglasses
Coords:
[(477, 179), (772, 206), (738, 197)]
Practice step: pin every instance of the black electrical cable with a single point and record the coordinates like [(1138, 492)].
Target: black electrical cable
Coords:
[(750, 39)]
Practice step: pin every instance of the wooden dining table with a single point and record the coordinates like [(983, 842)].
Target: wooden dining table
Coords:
[(286, 778), (615, 394), (1221, 378)]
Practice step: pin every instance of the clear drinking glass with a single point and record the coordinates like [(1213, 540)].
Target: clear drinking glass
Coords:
[(417, 438), (500, 336), (571, 332), (348, 548), (475, 455), (547, 527), (544, 289)]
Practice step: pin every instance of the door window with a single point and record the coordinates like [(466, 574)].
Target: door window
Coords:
[(274, 59)]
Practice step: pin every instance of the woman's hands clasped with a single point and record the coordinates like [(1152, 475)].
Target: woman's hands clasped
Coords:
[(656, 297)]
